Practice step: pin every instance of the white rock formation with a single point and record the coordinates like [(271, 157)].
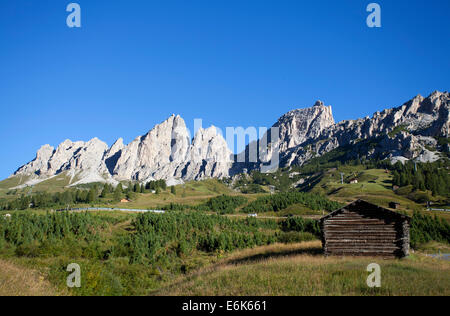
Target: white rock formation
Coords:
[(156, 154), (40, 164), (83, 162), (209, 156), (406, 131)]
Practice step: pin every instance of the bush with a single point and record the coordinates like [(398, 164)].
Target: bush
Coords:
[(252, 189), (223, 204), (158, 238), (426, 228), (295, 237), (298, 224)]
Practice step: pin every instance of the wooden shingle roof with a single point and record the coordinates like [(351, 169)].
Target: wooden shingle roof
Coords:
[(361, 205)]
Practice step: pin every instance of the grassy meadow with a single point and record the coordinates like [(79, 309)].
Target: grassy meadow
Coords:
[(301, 270)]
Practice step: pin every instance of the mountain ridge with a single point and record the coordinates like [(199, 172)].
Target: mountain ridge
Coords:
[(168, 152)]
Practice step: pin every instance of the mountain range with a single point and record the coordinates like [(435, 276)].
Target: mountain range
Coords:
[(409, 132)]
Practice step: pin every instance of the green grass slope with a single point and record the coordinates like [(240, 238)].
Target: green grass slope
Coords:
[(374, 185)]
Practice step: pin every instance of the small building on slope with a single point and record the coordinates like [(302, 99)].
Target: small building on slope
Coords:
[(365, 229)]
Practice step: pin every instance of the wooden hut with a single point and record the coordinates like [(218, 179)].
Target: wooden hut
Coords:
[(365, 229)]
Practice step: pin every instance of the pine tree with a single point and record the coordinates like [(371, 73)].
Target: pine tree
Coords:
[(92, 195), (104, 191), (118, 192)]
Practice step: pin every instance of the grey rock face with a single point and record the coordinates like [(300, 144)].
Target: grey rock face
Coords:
[(163, 153), (404, 131), (298, 126), (166, 153), (155, 154), (83, 162), (113, 154), (40, 164), (295, 128)]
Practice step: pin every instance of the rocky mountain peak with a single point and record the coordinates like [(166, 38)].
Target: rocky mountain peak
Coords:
[(319, 103), (209, 156), (208, 144), (40, 164), (45, 152), (166, 144), (413, 105), (113, 154), (118, 145), (297, 126)]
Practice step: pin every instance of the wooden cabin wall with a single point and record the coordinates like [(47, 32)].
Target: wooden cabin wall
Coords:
[(365, 233)]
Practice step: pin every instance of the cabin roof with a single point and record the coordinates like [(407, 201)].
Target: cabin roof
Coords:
[(367, 205)]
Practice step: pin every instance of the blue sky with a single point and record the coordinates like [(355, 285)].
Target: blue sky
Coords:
[(232, 63)]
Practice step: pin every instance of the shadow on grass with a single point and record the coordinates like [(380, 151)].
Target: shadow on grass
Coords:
[(243, 260), (276, 254), (335, 191), (387, 184)]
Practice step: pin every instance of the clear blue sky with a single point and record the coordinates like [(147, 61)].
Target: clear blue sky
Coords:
[(229, 62)]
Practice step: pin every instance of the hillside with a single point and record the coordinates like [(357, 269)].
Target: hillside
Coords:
[(373, 185)]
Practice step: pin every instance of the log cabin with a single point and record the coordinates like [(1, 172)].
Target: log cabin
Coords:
[(365, 229)]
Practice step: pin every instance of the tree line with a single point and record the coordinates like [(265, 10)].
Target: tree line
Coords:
[(23, 229), (43, 200), (222, 204)]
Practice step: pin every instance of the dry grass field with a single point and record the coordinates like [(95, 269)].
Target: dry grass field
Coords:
[(276, 270), (20, 281)]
